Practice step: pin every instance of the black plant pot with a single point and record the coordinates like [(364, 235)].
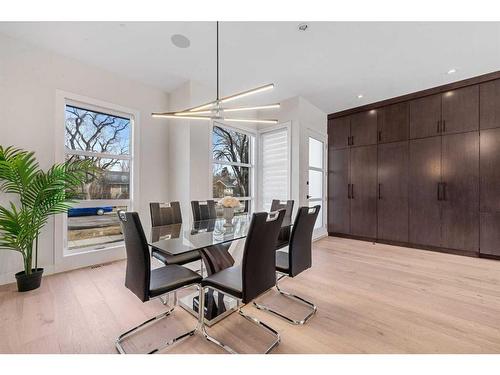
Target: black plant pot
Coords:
[(29, 282)]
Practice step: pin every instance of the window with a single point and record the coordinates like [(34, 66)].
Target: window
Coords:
[(275, 172), (104, 138), (316, 168), (233, 165)]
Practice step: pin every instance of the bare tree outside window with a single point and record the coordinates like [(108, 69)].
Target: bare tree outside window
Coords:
[(105, 139), (231, 168), (95, 132)]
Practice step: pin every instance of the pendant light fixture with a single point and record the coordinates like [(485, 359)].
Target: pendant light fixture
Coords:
[(216, 110)]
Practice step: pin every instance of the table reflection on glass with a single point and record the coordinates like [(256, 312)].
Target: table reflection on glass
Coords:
[(212, 239)]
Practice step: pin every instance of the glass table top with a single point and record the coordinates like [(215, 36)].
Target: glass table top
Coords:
[(177, 239)]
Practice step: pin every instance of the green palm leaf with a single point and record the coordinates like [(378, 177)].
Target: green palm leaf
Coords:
[(41, 195)]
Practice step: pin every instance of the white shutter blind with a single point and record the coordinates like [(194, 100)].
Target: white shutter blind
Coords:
[(275, 167)]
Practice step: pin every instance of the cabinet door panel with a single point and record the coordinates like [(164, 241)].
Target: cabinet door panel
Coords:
[(460, 205), (490, 233), (424, 176), (424, 116), (393, 122), (392, 203), (364, 128), (339, 132), (461, 110), (490, 170), (340, 210), (489, 93), (364, 191)]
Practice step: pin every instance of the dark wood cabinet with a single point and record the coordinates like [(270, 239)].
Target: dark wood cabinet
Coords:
[(490, 233), (364, 128), (421, 170), (460, 192), (340, 214), (424, 177), (425, 116), (490, 170), (393, 122), (460, 110), (340, 131), (364, 191), (489, 99), (392, 202)]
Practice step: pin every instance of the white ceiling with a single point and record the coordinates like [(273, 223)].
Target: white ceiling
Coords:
[(330, 64)]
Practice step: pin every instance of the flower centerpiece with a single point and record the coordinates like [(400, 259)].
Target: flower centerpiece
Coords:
[(229, 204)]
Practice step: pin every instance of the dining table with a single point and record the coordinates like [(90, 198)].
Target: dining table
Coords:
[(212, 238)]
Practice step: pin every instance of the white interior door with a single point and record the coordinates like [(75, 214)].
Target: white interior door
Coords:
[(316, 180)]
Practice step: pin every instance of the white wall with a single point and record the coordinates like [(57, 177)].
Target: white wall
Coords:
[(29, 77), (304, 117)]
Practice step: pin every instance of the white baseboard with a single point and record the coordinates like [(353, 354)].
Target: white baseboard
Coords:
[(9, 278)]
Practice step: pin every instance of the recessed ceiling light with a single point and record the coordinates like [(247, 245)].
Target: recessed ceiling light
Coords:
[(303, 27), (180, 41), (452, 70), (360, 96)]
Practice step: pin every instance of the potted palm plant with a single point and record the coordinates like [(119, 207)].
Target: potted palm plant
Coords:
[(40, 195)]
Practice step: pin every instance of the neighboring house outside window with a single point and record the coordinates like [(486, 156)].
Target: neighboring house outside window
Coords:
[(233, 166)]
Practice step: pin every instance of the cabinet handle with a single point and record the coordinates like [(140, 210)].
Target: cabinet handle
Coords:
[(379, 191), (352, 140), (437, 129), (444, 126), (439, 191), (352, 191), (380, 135), (443, 196), (348, 191)]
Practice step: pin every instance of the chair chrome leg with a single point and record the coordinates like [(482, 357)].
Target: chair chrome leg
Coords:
[(312, 306), (149, 322), (201, 324), (201, 327), (268, 328)]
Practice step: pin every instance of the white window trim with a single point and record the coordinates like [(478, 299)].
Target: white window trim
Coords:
[(311, 133), (252, 166), (288, 126), (93, 255)]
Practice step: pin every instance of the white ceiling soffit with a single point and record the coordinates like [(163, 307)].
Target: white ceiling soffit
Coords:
[(329, 64)]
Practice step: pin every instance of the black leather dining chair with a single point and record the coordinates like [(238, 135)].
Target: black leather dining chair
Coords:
[(147, 283), (203, 210), (255, 276), (296, 260), (284, 236), (168, 214)]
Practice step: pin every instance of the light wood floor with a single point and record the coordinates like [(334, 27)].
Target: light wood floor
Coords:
[(371, 299)]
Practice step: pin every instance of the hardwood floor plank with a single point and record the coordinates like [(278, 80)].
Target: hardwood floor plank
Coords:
[(372, 298)]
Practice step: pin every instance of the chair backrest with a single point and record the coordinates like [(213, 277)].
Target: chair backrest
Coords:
[(162, 214), (138, 273), (203, 210), (299, 248), (276, 205), (259, 256)]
